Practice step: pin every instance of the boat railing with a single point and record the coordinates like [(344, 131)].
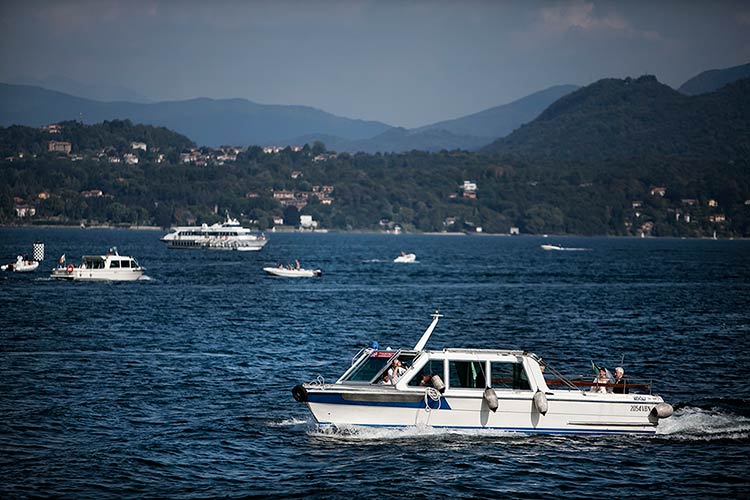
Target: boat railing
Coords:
[(579, 383)]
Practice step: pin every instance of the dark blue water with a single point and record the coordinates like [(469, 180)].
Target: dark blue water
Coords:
[(179, 386)]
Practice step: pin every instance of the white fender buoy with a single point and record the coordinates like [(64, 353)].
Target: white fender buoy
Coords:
[(491, 397), (437, 383), (663, 410), (540, 401)]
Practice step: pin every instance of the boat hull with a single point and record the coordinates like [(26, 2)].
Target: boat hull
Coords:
[(405, 259), (579, 414), (241, 246), (97, 274), (25, 267), (293, 273)]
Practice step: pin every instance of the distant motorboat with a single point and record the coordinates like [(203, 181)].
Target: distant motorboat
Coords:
[(109, 267), (21, 265), (229, 235), (293, 273), (562, 249), (405, 258)]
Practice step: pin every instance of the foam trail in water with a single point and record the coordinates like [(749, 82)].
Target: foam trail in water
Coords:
[(697, 424), (289, 422), (357, 433)]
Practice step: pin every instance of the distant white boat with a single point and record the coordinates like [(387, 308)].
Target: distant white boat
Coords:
[(21, 265), (562, 249), (229, 235), (405, 258), (293, 273), (109, 267)]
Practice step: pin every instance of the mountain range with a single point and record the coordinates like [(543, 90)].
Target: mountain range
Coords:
[(241, 122), (214, 122)]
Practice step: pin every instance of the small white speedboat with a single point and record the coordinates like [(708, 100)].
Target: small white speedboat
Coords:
[(563, 249), (405, 258), (293, 273), (498, 389), (21, 265), (109, 267)]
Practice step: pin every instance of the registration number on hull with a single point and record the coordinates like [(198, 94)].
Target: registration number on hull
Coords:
[(640, 408)]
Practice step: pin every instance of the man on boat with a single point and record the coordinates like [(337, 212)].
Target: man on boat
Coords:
[(620, 383)]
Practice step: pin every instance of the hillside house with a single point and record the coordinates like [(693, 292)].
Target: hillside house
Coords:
[(138, 145), (283, 195), (307, 222), (54, 128), (658, 191), (58, 147), (25, 211)]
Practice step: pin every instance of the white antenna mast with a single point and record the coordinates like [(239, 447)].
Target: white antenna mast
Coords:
[(426, 335)]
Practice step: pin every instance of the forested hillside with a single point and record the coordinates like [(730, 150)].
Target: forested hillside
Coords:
[(620, 157), (636, 118)]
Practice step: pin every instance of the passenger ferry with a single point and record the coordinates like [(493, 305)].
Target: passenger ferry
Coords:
[(228, 235), (109, 267), (504, 390)]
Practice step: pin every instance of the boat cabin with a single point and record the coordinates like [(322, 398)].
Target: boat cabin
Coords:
[(456, 368), (108, 262), (471, 369)]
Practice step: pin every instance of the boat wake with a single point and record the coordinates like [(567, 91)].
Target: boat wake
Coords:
[(692, 423), (289, 422), (356, 434)]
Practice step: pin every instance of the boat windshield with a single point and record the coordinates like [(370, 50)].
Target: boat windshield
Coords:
[(370, 366)]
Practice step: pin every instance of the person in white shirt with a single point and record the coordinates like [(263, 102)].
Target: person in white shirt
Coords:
[(396, 371)]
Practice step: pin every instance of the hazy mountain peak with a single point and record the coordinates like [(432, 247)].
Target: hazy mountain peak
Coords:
[(714, 79)]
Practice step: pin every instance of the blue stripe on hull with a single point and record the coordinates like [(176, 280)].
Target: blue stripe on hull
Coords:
[(523, 430), (338, 399)]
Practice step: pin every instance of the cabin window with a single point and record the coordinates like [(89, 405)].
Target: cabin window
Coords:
[(467, 374), (125, 263), (115, 264), (509, 376), (422, 377), (370, 367)]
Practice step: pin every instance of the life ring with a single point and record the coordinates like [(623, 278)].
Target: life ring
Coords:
[(299, 393), (70, 268)]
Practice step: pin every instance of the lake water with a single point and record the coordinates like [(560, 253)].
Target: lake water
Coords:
[(179, 386)]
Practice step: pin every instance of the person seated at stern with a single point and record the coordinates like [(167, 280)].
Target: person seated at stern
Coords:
[(620, 382)]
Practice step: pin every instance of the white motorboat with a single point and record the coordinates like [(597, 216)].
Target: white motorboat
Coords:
[(228, 235), (405, 258), (21, 265), (293, 273), (109, 267), (562, 249), (497, 389)]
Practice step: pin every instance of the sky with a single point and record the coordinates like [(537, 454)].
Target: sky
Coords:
[(405, 63)]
